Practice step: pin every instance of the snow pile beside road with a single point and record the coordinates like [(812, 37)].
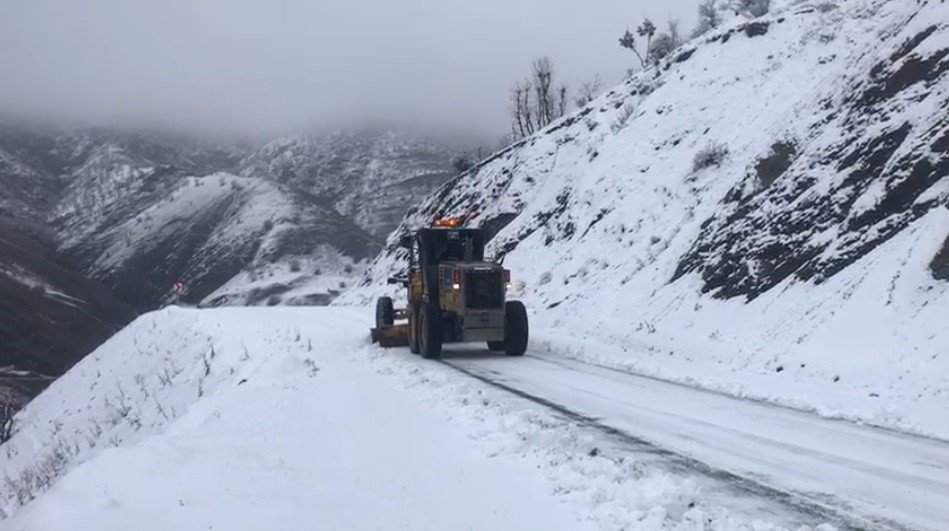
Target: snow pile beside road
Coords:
[(799, 266), (286, 418)]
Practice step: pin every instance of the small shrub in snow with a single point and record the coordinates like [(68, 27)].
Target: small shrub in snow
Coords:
[(711, 155), (273, 300), (646, 31), (295, 266), (672, 29), (268, 225), (709, 18), (538, 101), (661, 47), (317, 271), (348, 269), (588, 92), (544, 279), (625, 114), (755, 8), (462, 162), (36, 479), (6, 416)]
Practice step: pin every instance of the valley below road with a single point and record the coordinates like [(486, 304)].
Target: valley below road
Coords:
[(282, 418)]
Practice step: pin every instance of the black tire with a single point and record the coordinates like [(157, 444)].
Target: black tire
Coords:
[(414, 346), (515, 328), (430, 332), (496, 346), (385, 313)]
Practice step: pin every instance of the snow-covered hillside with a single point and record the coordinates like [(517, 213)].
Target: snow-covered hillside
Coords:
[(286, 418), (765, 213)]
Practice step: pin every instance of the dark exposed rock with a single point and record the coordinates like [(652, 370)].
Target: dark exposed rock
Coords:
[(496, 224), (757, 29), (911, 70), (912, 43), (941, 145), (773, 165), (940, 264), (684, 56)]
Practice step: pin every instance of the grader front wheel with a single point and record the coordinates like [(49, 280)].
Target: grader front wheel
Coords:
[(430, 331), (414, 346), (515, 328)]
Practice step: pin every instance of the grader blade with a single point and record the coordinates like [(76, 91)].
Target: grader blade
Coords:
[(391, 336)]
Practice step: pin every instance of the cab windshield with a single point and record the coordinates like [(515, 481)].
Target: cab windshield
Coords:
[(452, 245)]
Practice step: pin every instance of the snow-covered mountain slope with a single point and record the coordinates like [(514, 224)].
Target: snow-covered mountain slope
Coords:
[(287, 222), (203, 231), (29, 170), (368, 176), (50, 317), (286, 418), (765, 213)]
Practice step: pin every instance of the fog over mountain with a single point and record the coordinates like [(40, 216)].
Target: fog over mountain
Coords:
[(265, 67)]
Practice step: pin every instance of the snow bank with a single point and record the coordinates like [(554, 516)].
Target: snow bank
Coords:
[(286, 418)]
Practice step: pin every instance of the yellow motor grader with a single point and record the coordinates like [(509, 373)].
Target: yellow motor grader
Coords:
[(454, 295)]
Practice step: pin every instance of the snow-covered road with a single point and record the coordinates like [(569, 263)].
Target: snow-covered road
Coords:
[(277, 418), (879, 477)]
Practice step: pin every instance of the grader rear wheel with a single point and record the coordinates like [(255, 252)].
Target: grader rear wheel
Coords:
[(385, 313)]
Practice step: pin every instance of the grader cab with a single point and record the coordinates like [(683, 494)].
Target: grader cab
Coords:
[(454, 295)]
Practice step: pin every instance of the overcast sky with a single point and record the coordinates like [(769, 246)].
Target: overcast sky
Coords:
[(265, 66)]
